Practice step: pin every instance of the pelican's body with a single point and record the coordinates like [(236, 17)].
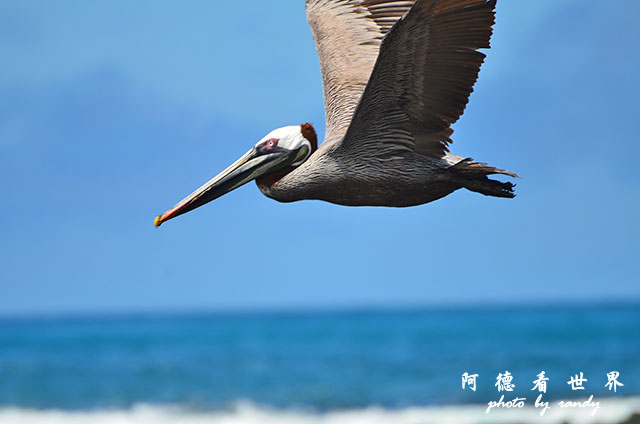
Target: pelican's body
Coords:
[(396, 75), (407, 180)]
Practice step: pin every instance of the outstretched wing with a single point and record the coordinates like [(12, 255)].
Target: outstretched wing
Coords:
[(348, 34), (421, 83)]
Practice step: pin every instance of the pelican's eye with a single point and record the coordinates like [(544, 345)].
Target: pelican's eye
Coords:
[(271, 143)]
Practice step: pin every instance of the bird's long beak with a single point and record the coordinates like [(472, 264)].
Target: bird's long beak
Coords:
[(249, 167)]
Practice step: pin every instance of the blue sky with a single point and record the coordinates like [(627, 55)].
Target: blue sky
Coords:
[(111, 112)]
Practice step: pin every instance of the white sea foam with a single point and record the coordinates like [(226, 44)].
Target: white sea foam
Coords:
[(614, 410)]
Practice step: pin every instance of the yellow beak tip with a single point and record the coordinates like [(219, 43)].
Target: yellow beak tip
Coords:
[(157, 222)]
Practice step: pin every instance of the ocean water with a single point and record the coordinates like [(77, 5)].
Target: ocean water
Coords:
[(319, 367)]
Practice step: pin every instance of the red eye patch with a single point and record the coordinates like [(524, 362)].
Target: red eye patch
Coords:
[(271, 143)]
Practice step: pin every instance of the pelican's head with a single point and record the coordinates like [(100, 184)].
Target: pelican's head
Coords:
[(272, 157)]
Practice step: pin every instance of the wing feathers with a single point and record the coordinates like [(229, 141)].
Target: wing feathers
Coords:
[(348, 34), (425, 72)]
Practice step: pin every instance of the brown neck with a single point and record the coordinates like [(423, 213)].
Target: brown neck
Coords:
[(270, 179), (309, 133)]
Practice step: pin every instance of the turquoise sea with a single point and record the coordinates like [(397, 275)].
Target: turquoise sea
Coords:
[(371, 366)]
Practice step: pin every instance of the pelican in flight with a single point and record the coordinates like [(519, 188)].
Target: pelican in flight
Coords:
[(396, 75)]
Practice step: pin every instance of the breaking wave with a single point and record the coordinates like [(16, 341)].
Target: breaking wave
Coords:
[(613, 410)]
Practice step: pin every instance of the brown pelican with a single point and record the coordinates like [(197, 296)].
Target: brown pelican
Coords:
[(396, 75)]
